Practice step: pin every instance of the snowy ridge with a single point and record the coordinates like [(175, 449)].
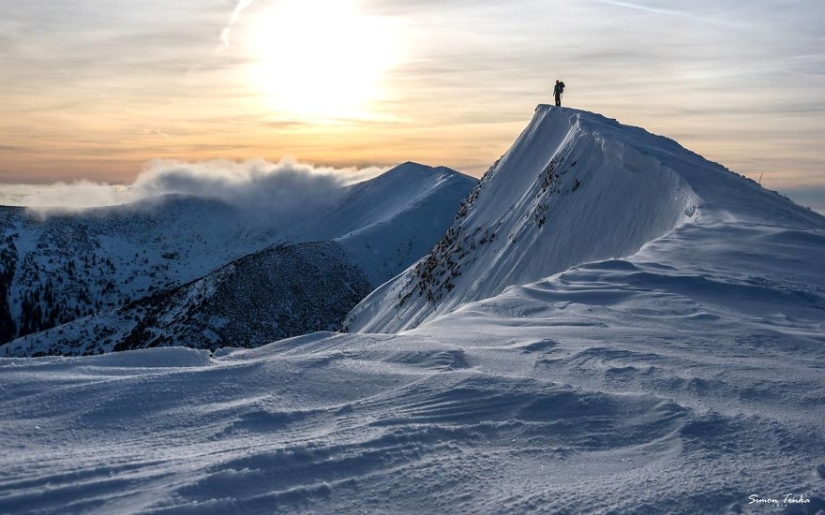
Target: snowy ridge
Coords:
[(387, 235), (575, 187)]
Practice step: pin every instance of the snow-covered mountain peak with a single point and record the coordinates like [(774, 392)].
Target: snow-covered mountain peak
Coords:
[(575, 187), (410, 169)]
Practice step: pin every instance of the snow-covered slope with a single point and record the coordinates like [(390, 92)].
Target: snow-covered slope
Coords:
[(683, 377), (612, 388), (67, 266), (390, 232), (575, 187)]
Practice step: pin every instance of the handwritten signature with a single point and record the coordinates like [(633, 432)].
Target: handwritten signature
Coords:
[(788, 499)]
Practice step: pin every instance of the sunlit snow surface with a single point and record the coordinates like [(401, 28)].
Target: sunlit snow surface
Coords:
[(684, 377)]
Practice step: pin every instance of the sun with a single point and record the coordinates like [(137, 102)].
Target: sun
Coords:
[(322, 59)]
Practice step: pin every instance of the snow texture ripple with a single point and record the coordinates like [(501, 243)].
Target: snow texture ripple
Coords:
[(654, 344)]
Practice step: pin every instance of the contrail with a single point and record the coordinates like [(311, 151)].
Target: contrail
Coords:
[(233, 18), (656, 10), (225, 33)]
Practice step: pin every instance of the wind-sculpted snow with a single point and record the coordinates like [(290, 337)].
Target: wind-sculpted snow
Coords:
[(682, 375), (616, 387), (575, 187)]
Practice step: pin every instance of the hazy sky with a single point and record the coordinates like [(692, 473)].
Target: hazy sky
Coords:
[(94, 89)]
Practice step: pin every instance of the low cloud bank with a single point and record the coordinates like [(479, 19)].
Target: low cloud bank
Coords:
[(286, 186)]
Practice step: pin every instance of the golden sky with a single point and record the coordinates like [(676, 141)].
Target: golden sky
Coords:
[(94, 90)]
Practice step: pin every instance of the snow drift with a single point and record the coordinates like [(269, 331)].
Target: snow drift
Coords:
[(575, 187)]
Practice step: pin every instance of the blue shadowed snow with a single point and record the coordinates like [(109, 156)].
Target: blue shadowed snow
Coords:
[(614, 325)]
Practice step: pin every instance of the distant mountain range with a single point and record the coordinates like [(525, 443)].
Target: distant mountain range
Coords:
[(198, 272)]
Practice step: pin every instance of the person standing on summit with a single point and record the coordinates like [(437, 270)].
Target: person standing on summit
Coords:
[(557, 91)]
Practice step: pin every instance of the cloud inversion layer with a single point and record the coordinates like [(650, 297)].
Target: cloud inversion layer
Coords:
[(286, 187)]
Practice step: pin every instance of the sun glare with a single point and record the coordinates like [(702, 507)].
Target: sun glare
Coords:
[(322, 59)]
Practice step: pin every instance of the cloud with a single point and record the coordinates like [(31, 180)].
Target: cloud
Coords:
[(656, 10), (283, 188), (233, 18)]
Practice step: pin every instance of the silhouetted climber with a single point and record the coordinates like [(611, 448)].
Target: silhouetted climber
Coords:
[(557, 91)]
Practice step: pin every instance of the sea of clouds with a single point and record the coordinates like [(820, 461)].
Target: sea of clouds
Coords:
[(255, 184)]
